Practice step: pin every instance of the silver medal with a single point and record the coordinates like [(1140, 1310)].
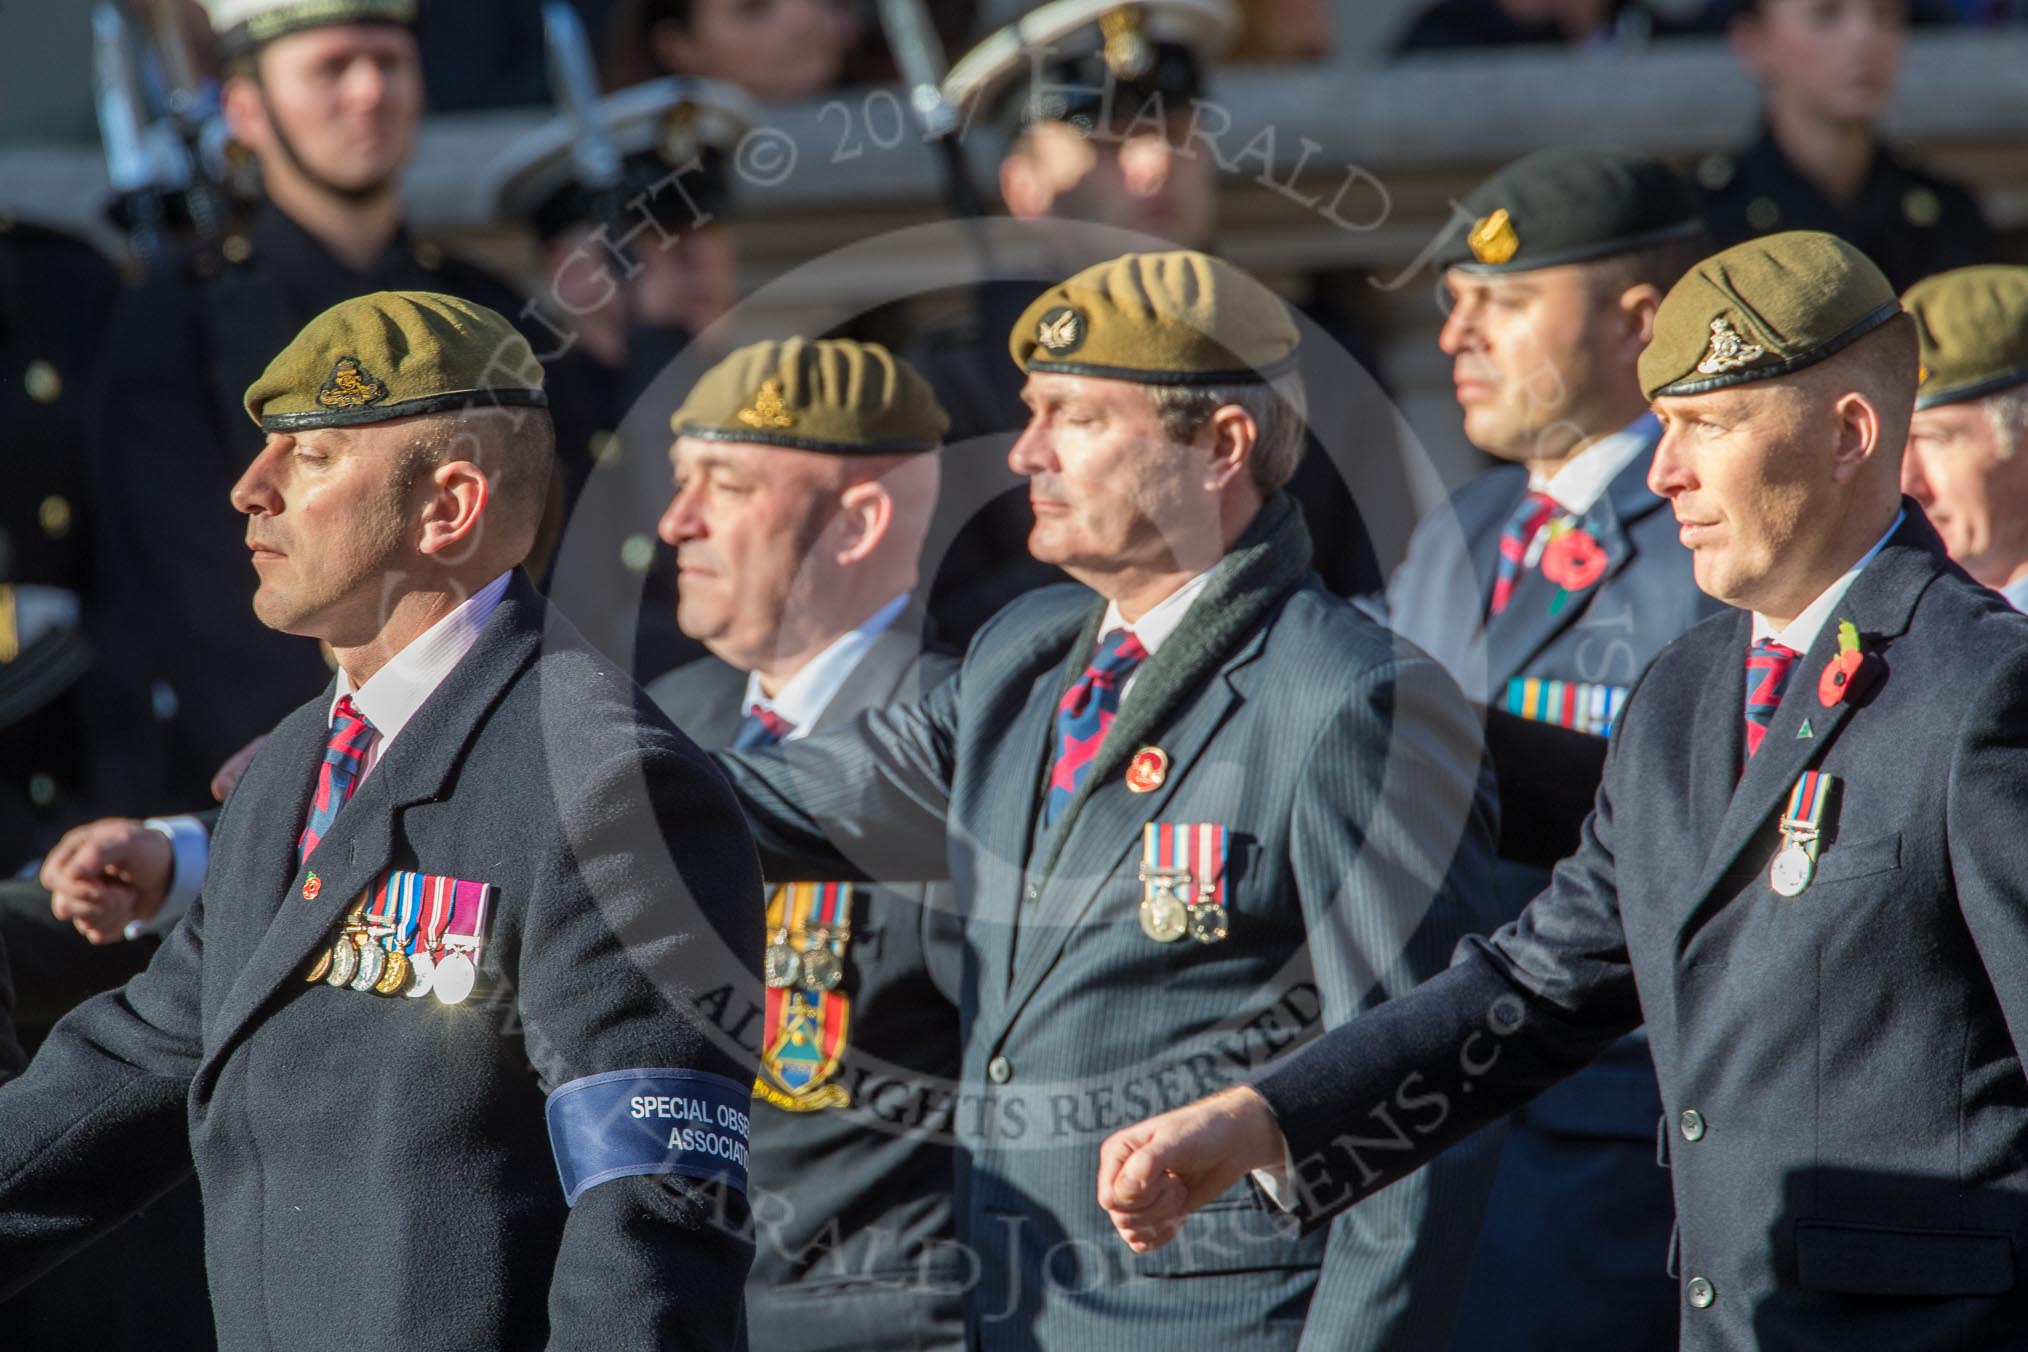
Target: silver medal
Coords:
[(780, 966), (372, 962), (344, 962), (1163, 918), (455, 978), (1792, 870), (422, 974)]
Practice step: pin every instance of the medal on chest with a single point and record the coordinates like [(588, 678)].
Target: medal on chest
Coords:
[(1183, 882), (1795, 864), (809, 1014)]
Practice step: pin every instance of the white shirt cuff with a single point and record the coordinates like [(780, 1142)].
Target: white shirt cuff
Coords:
[(1274, 1183), (191, 845)]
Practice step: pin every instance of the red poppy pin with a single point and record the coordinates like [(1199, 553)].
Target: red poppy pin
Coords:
[(1147, 770), (1849, 673), (1574, 560), (312, 885)]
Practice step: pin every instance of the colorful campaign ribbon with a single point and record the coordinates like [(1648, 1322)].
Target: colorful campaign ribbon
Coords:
[(1578, 705)]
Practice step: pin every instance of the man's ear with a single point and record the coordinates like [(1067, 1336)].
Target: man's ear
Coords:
[(1233, 437), (245, 109), (864, 519), (1859, 434), (457, 496), (1638, 304)]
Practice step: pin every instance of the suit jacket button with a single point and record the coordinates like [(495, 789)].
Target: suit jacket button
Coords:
[(1692, 1124), (999, 1070), (1701, 1293)]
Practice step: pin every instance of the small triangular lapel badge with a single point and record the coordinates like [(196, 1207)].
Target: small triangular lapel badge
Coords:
[(1803, 734)]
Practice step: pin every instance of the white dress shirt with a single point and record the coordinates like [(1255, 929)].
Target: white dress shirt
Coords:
[(1163, 619), (1579, 485), (389, 700), (2016, 592), (805, 695)]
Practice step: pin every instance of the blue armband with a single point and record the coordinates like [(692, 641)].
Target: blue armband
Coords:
[(626, 1122)]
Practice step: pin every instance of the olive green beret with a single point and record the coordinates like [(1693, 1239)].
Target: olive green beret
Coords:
[(1177, 318), (1973, 326), (395, 354), (1573, 204), (831, 395), (1766, 308), (242, 25)]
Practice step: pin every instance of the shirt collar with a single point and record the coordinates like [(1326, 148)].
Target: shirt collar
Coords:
[(1579, 485), (1162, 619), (1804, 628), (809, 692), (2016, 592), (391, 695)]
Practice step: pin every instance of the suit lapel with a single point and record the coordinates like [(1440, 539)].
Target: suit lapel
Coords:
[(1023, 759), (360, 843), (1098, 843), (1534, 617), (1879, 604)]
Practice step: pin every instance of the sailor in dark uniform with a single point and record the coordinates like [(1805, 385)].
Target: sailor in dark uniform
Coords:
[(1819, 163), (55, 292), (199, 675), (806, 476)]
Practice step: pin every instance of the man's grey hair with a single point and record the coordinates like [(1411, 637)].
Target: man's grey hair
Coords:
[(1279, 409), (2008, 411)]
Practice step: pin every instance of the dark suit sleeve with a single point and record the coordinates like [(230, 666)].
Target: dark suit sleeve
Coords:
[(650, 904), (94, 1129), (11, 1059), (1393, 859), (1375, 1099), (1987, 805), (868, 801)]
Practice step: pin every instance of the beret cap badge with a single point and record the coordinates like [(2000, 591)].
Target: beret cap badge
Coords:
[(1493, 240), (1728, 351), (1060, 330), (769, 409), (350, 386)]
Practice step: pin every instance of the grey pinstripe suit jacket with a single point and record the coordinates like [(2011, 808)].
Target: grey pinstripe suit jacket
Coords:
[(1348, 771)]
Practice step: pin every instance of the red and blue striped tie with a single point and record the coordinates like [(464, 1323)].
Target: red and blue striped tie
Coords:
[(1520, 531), (1768, 665), (1087, 710), (351, 734), (760, 729)]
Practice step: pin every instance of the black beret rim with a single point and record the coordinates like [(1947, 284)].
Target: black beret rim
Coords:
[(787, 442), (1246, 375), (1830, 347), (1977, 389), (407, 408), (1585, 253)]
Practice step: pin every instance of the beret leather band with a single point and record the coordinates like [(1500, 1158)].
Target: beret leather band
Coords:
[(1802, 361), (508, 396)]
